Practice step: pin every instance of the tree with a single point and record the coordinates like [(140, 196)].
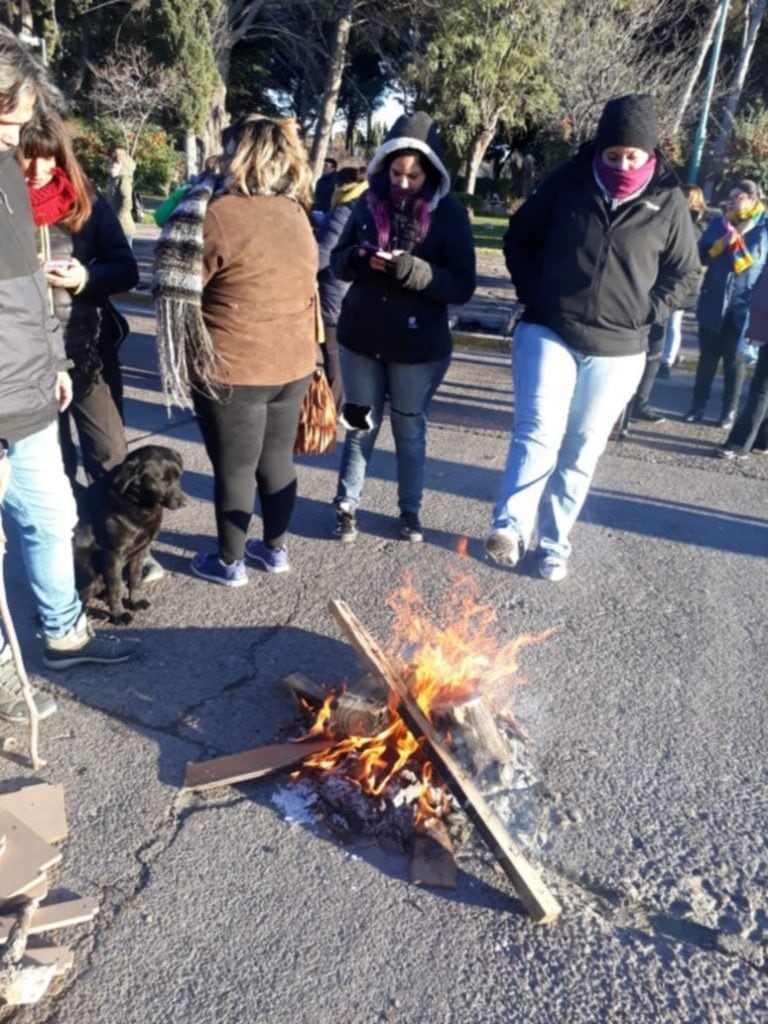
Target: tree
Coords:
[(130, 89), (484, 61)]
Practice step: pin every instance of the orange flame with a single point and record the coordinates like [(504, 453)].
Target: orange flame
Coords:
[(443, 665)]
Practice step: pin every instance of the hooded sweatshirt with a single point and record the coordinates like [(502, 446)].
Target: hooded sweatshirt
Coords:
[(401, 314)]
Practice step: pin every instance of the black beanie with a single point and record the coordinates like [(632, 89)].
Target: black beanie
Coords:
[(628, 121)]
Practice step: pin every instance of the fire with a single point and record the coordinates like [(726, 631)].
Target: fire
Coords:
[(443, 665)]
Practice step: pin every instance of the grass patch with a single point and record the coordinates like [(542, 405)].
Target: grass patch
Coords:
[(488, 232)]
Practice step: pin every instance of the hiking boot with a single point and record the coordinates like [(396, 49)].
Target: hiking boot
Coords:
[(727, 420), (81, 646), (346, 526), (504, 546), (13, 707), (410, 528), (228, 574), (647, 413), (553, 569), (151, 570), (694, 415), (269, 559)]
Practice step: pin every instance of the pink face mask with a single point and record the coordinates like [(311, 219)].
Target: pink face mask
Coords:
[(620, 184)]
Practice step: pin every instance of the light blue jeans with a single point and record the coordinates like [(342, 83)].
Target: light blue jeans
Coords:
[(409, 387), (39, 500), (565, 407)]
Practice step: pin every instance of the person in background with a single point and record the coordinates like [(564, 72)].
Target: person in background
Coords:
[(349, 188), (673, 333), (749, 433), (34, 388), (235, 274), (324, 187), (734, 249), (408, 251), (87, 259), (122, 168), (600, 252)]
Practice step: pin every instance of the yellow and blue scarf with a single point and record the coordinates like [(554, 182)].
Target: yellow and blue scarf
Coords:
[(741, 258)]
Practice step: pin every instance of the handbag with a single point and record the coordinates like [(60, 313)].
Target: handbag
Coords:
[(317, 419)]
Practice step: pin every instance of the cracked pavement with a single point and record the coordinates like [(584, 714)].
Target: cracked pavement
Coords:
[(646, 713)]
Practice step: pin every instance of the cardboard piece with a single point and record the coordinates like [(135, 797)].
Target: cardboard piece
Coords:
[(39, 807), (55, 915), (24, 859)]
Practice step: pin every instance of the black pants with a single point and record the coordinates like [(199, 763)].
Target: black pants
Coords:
[(751, 428), (714, 346), (99, 429), (249, 438), (652, 363)]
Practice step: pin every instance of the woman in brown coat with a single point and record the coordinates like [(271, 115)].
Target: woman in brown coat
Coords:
[(249, 359)]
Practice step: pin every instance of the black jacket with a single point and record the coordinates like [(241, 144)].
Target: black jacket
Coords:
[(101, 246), (405, 321), (600, 277), (31, 345)]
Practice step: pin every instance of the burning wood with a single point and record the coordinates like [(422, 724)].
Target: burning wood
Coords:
[(538, 900)]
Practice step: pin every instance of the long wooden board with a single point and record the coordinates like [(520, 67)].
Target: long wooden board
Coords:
[(537, 898), (250, 764)]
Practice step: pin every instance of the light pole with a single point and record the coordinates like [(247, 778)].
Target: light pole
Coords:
[(701, 128)]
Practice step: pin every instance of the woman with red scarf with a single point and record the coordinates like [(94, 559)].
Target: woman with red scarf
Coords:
[(602, 250), (87, 259)]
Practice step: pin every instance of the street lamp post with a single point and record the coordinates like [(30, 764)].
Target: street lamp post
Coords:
[(701, 128)]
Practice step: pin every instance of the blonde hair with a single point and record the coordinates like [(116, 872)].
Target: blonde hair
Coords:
[(266, 157), (695, 197)]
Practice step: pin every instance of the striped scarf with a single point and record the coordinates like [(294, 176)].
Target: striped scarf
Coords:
[(732, 240), (187, 357)]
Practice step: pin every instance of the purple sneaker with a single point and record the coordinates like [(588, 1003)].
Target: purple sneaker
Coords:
[(211, 567), (268, 559)]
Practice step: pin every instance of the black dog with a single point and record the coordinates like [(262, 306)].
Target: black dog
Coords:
[(118, 518)]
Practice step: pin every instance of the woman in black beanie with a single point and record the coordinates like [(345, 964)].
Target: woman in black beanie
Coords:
[(601, 251)]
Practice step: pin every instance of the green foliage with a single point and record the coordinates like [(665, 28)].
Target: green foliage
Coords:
[(180, 37), (158, 164), (748, 151)]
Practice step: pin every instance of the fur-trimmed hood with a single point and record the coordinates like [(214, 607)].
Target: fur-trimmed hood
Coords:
[(414, 131)]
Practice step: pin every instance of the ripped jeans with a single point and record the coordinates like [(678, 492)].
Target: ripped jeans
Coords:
[(409, 388)]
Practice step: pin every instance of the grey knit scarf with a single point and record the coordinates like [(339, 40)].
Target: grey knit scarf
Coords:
[(186, 354)]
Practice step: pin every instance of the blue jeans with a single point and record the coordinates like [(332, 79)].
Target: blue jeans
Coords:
[(409, 387), (39, 500), (565, 407), (673, 337)]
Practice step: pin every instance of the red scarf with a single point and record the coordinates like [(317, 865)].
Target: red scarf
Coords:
[(622, 184), (53, 201)]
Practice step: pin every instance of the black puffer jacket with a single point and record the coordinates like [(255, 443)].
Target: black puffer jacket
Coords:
[(101, 246), (31, 345), (601, 277), (402, 317)]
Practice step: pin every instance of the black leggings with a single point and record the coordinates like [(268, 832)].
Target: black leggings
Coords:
[(249, 438)]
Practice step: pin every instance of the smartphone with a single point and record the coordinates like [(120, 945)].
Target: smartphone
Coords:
[(374, 250), (54, 266)]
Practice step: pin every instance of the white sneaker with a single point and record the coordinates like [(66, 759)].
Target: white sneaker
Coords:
[(552, 569)]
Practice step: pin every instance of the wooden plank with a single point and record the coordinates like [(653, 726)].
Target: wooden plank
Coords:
[(538, 900), (351, 713), (250, 764), (432, 860), (55, 915), (41, 808), (25, 858)]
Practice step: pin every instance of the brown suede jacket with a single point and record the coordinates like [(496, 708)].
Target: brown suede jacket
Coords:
[(259, 270)]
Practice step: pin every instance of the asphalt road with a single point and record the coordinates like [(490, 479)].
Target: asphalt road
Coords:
[(646, 712)]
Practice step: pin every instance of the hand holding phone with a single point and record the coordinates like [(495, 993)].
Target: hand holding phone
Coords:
[(373, 250), (56, 266)]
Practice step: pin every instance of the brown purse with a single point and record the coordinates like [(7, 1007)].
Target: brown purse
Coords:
[(317, 420)]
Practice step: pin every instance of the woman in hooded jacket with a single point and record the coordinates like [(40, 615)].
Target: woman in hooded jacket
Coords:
[(408, 251)]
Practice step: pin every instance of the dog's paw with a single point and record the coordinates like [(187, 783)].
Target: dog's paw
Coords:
[(140, 604), (122, 619)]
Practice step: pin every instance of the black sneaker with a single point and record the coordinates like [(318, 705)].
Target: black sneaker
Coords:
[(81, 646), (726, 422), (410, 528), (13, 707), (346, 527), (725, 451), (694, 415), (648, 413)]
